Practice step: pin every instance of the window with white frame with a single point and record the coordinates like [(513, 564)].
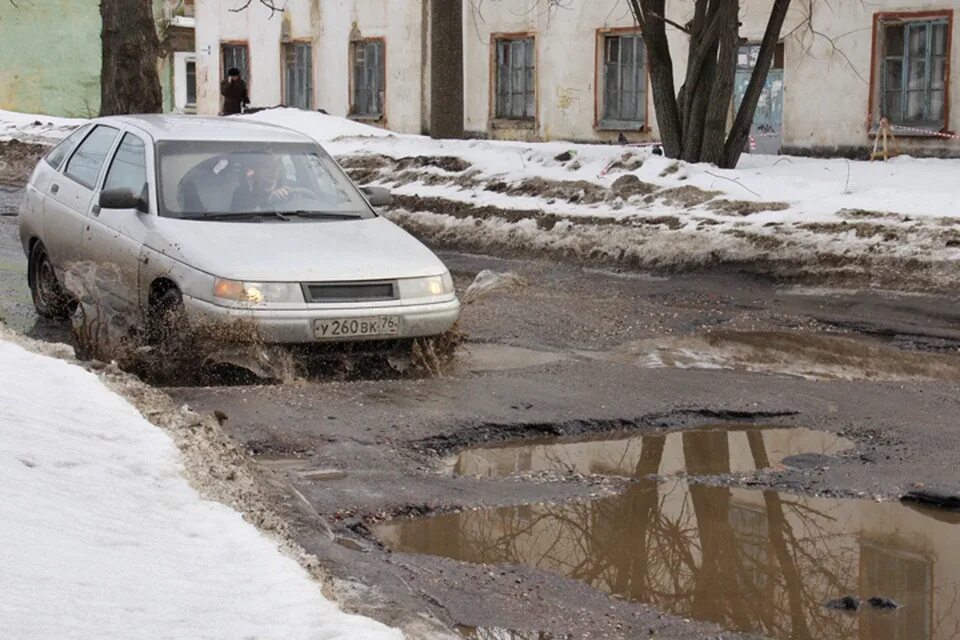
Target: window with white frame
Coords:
[(624, 77), (516, 91), (184, 82), (368, 78), (912, 72)]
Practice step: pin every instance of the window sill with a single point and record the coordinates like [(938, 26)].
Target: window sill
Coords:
[(609, 125), (371, 119), (508, 123)]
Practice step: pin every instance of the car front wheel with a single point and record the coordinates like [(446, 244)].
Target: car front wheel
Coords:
[(49, 298), (167, 316)]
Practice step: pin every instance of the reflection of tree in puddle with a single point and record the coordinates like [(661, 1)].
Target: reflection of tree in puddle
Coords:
[(620, 454), (748, 560)]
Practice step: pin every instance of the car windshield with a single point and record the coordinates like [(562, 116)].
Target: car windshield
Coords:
[(208, 180)]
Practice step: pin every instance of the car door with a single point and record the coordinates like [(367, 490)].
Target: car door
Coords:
[(113, 238), (38, 188), (70, 194)]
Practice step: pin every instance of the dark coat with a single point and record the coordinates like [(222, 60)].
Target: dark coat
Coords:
[(234, 96)]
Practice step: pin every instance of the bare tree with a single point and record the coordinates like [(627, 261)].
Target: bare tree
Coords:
[(693, 121), (129, 79)]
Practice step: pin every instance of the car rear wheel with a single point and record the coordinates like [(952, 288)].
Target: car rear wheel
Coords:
[(49, 298)]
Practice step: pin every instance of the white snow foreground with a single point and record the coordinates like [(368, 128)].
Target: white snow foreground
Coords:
[(101, 536)]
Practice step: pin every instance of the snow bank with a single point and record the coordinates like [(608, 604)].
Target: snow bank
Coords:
[(29, 127), (319, 126), (103, 537)]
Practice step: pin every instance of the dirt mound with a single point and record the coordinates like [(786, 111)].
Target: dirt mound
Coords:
[(17, 160), (627, 162), (630, 185), (573, 191), (464, 210), (687, 197), (452, 164), (745, 207)]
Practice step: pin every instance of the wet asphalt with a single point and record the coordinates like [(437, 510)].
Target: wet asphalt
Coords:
[(549, 359)]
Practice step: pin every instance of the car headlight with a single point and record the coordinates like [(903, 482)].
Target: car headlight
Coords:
[(257, 292), (429, 287)]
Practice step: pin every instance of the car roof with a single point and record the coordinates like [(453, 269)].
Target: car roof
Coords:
[(183, 127)]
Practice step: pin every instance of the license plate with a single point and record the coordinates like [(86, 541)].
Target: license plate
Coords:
[(357, 327)]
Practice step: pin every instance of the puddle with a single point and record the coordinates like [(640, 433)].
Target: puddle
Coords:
[(708, 451), (748, 560), (806, 355), (794, 353), (478, 357)]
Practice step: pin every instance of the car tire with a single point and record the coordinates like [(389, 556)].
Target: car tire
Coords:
[(49, 297), (167, 316)]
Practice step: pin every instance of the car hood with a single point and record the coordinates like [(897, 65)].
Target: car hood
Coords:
[(295, 251)]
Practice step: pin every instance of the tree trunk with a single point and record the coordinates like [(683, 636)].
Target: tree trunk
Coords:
[(693, 124), (715, 121), (129, 80), (740, 130), (661, 77), (446, 69)]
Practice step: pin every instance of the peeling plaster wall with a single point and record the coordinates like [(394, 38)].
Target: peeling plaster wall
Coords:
[(50, 57)]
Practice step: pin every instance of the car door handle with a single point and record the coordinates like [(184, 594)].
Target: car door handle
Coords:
[(54, 188)]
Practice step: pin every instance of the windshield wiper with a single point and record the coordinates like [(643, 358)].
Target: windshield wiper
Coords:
[(246, 215), (322, 214), (257, 216)]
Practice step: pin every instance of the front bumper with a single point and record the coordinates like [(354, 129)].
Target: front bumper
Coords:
[(295, 326)]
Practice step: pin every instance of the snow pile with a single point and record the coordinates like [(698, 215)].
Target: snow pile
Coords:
[(319, 126), (103, 537), (35, 128)]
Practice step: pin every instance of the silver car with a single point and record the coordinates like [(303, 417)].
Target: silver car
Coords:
[(228, 219)]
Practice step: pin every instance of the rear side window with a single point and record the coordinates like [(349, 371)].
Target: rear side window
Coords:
[(129, 167), (60, 152), (85, 164)]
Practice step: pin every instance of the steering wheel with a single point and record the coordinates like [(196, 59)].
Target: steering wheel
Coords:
[(295, 193)]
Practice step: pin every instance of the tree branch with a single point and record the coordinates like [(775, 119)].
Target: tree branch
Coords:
[(269, 4), (676, 25)]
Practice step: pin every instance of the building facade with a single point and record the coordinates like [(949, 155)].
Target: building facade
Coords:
[(580, 72), (363, 58)]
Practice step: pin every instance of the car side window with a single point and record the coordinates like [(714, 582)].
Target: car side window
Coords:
[(60, 152), (128, 169), (85, 163)]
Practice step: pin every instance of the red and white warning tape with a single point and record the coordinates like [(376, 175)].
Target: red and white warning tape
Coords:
[(928, 132)]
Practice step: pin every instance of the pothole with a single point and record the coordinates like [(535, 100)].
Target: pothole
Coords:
[(751, 561), (478, 357), (706, 451), (497, 633), (806, 355)]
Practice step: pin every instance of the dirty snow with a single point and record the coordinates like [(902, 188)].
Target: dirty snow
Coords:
[(104, 538), (787, 215), (35, 128)]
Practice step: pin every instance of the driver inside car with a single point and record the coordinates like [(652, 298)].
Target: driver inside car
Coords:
[(261, 187)]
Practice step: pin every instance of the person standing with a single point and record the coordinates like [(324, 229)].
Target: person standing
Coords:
[(234, 92)]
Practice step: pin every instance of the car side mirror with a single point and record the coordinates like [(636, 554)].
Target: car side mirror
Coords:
[(378, 196), (122, 199)]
